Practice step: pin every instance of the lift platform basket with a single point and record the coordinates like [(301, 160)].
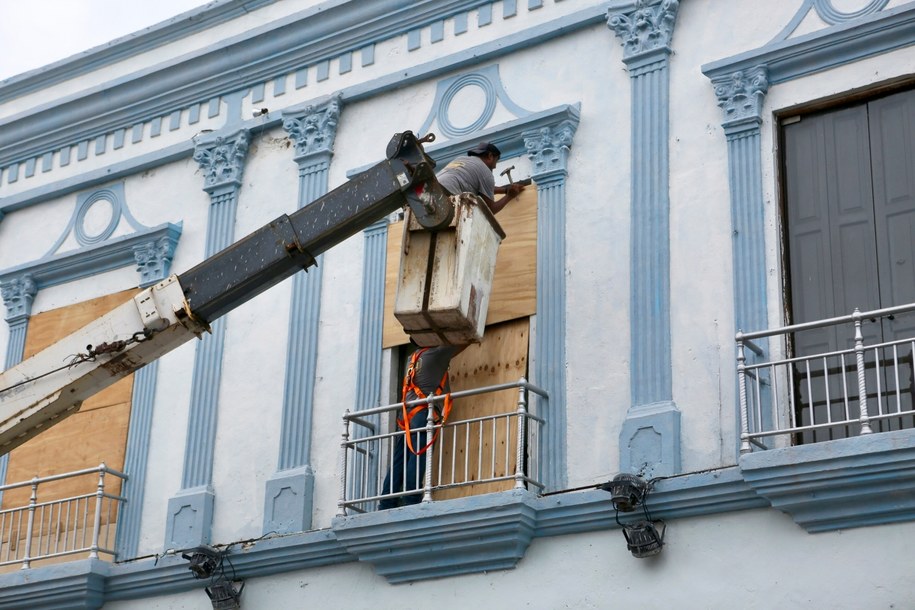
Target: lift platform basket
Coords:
[(445, 277)]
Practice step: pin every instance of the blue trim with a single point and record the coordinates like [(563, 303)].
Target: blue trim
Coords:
[(345, 63), (136, 133), (193, 115), (190, 518), (649, 441), (257, 93), (413, 40), (82, 150), (834, 485), (119, 138), (509, 8), (437, 31), (30, 167), (368, 55), (468, 535), (174, 121), (322, 70), (65, 156), (100, 144), (176, 28), (289, 494), (279, 86), (15, 349), (301, 78), (469, 57), (484, 15), (113, 254), (47, 162), (136, 459), (825, 49), (460, 24)]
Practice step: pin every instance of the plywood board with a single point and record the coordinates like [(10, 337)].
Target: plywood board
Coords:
[(514, 293), (96, 433), (473, 452)]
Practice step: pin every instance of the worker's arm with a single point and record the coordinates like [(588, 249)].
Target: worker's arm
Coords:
[(509, 192)]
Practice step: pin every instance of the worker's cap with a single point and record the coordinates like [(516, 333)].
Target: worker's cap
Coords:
[(484, 147)]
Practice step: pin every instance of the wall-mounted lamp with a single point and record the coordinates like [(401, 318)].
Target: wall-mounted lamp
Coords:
[(627, 492), (207, 562)]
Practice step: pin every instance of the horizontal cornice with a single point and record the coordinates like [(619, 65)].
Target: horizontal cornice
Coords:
[(170, 30), (834, 46), (261, 54)]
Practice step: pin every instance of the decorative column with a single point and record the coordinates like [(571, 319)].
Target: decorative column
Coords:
[(190, 512), (548, 149), (18, 294), (289, 493), (741, 96), (650, 436)]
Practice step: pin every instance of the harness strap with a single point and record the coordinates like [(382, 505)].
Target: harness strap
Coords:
[(410, 384)]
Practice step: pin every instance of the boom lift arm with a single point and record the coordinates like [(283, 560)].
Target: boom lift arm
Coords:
[(52, 384)]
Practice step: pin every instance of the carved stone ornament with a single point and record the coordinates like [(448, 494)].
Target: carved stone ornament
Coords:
[(314, 129), (741, 94), (18, 294), (548, 147), (223, 159), (648, 27), (154, 259)]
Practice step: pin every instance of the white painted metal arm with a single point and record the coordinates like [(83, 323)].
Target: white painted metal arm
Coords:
[(53, 383)]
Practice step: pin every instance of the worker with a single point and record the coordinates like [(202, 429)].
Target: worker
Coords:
[(427, 373), (473, 174)]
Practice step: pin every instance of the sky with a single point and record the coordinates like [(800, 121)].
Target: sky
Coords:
[(35, 33)]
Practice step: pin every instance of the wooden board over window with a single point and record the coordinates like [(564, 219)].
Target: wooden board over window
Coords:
[(96, 433), (514, 293), (488, 449)]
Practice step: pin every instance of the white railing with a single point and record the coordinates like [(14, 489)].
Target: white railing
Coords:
[(867, 387), (48, 527), (499, 448)]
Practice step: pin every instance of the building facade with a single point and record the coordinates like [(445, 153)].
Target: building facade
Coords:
[(701, 170)]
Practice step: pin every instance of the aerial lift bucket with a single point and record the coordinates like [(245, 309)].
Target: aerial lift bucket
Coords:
[(445, 277)]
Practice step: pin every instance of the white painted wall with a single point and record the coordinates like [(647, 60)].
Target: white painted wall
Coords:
[(710, 563)]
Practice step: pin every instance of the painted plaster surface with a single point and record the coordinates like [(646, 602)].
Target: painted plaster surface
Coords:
[(606, 576), (584, 67)]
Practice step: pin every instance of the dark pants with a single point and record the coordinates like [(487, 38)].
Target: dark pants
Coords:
[(409, 476)]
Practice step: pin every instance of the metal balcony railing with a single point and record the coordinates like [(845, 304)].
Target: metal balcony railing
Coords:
[(48, 527), (495, 451), (864, 388)]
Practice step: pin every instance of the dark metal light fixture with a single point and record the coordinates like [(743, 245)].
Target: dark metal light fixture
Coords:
[(207, 562), (627, 492)]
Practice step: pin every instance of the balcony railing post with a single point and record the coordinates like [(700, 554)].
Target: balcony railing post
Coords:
[(341, 504), (522, 421), (430, 428), (862, 383), (745, 446), (97, 521), (33, 502)]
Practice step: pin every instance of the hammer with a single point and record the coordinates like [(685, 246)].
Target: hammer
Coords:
[(508, 172)]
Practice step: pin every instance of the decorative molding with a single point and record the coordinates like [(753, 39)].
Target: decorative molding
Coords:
[(314, 129), (548, 147), (489, 82), (828, 13), (115, 253), (154, 259), (289, 494), (136, 459), (437, 539), (18, 292), (108, 108), (222, 160), (840, 484), (647, 27), (741, 94), (650, 435), (835, 46), (190, 513), (467, 535)]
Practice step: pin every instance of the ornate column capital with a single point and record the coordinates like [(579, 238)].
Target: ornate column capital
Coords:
[(741, 95), (222, 160), (314, 129), (548, 148), (647, 26), (154, 259), (18, 293)]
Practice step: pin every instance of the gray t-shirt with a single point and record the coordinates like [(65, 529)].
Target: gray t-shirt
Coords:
[(468, 175)]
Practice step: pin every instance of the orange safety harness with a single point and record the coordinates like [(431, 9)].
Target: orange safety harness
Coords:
[(410, 384)]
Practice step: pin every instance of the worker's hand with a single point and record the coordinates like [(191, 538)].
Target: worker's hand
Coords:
[(513, 190)]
